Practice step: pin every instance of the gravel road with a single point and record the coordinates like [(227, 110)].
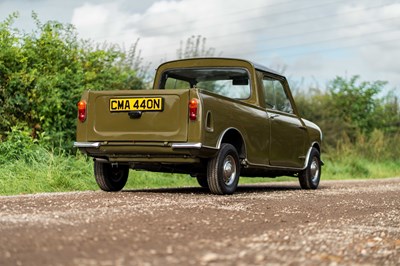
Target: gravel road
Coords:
[(342, 223)]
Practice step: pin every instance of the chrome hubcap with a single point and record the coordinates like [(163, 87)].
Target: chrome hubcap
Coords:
[(116, 174), (229, 170), (314, 170)]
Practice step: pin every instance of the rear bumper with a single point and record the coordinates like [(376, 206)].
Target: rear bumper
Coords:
[(147, 152), (86, 144), (188, 145)]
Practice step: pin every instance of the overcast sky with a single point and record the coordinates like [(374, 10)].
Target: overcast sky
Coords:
[(314, 40)]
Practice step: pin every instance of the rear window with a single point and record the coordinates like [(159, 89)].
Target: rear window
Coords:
[(229, 82)]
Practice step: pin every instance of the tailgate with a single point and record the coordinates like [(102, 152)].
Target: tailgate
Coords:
[(141, 115)]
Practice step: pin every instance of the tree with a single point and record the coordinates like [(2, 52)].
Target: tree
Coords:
[(195, 46), (43, 74), (356, 102), (387, 114), (350, 109)]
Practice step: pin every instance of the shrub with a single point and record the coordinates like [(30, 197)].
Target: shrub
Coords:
[(43, 74)]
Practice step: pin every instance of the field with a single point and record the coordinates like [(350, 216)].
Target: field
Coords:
[(46, 171)]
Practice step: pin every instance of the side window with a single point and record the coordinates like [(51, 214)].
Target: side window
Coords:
[(275, 96)]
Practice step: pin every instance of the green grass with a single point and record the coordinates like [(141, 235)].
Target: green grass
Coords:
[(49, 172), (144, 179), (360, 168)]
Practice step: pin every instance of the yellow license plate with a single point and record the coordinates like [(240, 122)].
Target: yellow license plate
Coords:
[(136, 104)]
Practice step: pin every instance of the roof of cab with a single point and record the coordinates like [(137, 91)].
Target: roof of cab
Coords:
[(255, 65)]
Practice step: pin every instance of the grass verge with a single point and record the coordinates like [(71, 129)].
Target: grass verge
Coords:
[(50, 172)]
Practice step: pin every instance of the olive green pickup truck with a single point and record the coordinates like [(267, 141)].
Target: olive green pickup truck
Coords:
[(213, 118)]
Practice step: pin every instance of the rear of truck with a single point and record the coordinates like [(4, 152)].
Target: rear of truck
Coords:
[(154, 130), (185, 124), (139, 127)]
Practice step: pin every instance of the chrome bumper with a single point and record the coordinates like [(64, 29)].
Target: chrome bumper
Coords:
[(87, 144), (186, 145), (174, 145)]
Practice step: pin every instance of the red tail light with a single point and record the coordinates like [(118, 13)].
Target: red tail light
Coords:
[(82, 111), (193, 104)]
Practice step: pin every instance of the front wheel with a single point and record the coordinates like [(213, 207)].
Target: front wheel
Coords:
[(309, 178), (109, 177), (223, 171)]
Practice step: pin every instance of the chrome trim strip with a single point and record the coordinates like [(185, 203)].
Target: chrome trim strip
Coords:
[(87, 144), (210, 147), (188, 145), (308, 155), (287, 168), (222, 135), (273, 167)]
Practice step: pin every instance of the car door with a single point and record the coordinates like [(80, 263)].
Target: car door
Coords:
[(287, 132)]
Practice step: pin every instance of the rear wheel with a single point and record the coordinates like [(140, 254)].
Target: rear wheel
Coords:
[(223, 171), (309, 178), (109, 177), (202, 180)]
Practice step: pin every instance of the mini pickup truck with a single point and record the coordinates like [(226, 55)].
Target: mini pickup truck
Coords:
[(213, 118)]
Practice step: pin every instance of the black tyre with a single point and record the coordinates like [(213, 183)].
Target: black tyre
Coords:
[(110, 178), (223, 171), (309, 178), (202, 180)]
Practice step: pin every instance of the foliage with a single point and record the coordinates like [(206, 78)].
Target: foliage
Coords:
[(55, 172), (20, 146), (51, 172), (350, 110), (195, 46), (373, 156), (354, 102), (43, 74), (376, 147), (387, 114)]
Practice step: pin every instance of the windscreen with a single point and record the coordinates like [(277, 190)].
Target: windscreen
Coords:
[(229, 82)]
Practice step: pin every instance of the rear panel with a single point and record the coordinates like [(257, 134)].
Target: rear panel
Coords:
[(145, 115)]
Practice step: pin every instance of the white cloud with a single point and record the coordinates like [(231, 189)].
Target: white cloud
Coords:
[(90, 16), (165, 24), (378, 42), (357, 38), (100, 22), (313, 39)]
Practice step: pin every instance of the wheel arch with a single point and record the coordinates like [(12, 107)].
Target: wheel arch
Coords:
[(317, 146), (235, 138)]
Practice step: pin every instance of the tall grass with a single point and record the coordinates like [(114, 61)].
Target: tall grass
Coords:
[(54, 172), (58, 172), (376, 156), (48, 173), (30, 168)]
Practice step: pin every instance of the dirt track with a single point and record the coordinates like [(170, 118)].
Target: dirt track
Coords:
[(342, 223)]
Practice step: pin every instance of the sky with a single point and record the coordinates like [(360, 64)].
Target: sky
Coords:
[(311, 41)]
